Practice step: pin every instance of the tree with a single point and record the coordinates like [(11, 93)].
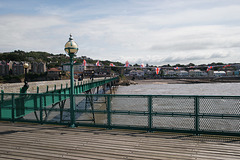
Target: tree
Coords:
[(191, 64)]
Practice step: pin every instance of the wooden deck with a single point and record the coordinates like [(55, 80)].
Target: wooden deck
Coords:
[(34, 141)]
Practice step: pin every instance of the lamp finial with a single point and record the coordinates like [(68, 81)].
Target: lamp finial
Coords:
[(70, 38)]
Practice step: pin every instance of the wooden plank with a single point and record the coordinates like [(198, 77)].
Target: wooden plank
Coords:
[(26, 141)]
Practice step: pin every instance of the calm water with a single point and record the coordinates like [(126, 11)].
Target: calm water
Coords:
[(179, 105), (230, 89)]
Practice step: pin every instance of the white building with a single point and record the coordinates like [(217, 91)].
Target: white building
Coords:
[(197, 73), (182, 73), (219, 73), (138, 73), (170, 73), (77, 67)]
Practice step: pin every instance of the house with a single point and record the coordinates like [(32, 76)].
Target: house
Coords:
[(77, 67), (138, 73), (4, 68), (41, 67), (197, 73), (54, 74), (182, 73), (170, 73), (219, 73), (17, 68), (34, 66), (229, 73), (38, 67)]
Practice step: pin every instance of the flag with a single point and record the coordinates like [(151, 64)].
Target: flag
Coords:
[(84, 62), (142, 65), (209, 67), (112, 65), (98, 64), (157, 70), (226, 66), (126, 64)]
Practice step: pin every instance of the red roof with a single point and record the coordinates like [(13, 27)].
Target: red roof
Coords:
[(54, 70)]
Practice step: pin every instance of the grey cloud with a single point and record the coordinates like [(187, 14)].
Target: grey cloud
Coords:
[(219, 55), (183, 59), (170, 59), (182, 46), (188, 59)]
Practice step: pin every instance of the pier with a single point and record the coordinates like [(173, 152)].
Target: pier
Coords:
[(44, 142), (111, 126), (21, 106)]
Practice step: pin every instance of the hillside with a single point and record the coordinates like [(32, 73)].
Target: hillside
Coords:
[(52, 60)]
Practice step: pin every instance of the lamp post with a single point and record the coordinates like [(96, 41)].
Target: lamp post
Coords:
[(92, 76), (71, 49), (25, 87)]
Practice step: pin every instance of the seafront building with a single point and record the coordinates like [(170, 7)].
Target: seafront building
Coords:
[(38, 67), (137, 73), (197, 73), (77, 67), (182, 73), (53, 74), (4, 68), (16, 68), (219, 73)]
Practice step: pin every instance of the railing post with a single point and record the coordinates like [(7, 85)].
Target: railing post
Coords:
[(1, 104), (149, 113), (41, 110), (108, 112), (53, 101), (196, 102), (13, 107)]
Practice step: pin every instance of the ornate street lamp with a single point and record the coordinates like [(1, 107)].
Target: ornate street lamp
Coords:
[(71, 49), (25, 87)]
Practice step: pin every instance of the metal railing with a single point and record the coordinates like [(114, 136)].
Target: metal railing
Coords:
[(189, 114)]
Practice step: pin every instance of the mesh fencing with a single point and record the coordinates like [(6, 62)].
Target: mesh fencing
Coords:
[(196, 114)]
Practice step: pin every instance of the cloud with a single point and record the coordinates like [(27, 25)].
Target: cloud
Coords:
[(154, 32), (28, 32), (195, 58)]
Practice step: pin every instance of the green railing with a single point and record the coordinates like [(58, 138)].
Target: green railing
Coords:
[(21, 101), (189, 114)]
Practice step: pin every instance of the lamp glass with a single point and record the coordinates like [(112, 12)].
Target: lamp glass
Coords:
[(71, 47), (25, 65)]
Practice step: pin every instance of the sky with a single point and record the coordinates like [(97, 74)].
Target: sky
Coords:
[(154, 32)]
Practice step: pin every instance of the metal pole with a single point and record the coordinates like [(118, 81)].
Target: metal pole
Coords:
[(196, 101), (25, 80), (72, 102), (150, 120)]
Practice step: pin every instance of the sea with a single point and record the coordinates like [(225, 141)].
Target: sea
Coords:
[(157, 88), (179, 105), (119, 104)]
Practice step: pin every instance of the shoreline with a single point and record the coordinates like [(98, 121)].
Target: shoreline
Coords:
[(182, 81)]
